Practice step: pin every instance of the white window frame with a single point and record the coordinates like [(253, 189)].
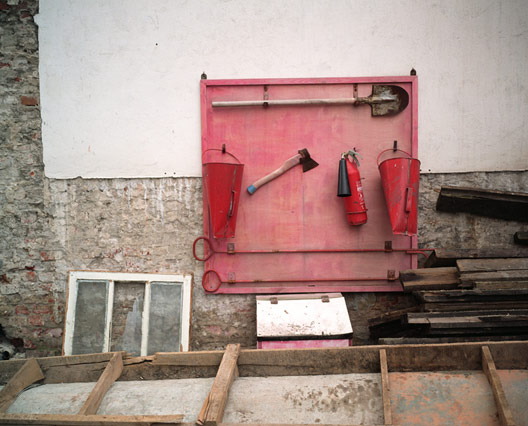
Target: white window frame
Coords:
[(185, 280)]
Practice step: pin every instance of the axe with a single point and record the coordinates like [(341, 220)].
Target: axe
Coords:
[(303, 157)]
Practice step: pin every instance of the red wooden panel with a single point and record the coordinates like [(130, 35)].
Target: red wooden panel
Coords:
[(300, 211)]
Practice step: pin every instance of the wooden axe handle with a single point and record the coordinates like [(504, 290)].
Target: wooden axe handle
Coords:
[(287, 165)]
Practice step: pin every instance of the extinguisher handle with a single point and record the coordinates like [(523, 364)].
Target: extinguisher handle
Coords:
[(393, 150)]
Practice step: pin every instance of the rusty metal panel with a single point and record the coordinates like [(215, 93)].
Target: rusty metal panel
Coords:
[(442, 398)]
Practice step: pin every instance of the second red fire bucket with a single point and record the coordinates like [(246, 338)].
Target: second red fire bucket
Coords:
[(400, 178), (222, 182)]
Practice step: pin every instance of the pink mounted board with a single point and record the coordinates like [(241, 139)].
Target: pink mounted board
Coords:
[(292, 234)]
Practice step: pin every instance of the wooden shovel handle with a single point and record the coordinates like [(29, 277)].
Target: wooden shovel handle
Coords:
[(287, 165)]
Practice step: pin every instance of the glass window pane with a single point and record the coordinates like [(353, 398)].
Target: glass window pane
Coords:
[(165, 317), (127, 317), (90, 317)]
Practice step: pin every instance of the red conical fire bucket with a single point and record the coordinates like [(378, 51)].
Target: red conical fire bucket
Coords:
[(222, 183), (400, 178)]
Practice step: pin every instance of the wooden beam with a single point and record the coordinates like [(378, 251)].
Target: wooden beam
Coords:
[(292, 362), (491, 265), (448, 257), (385, 387), (470, 278), (213, 408), (110, 375), (503, 409), (429, 278), (90, 420), (28, 374), (484, 202)]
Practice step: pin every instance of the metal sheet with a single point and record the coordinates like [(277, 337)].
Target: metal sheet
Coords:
[(442, 398), (301, 210)]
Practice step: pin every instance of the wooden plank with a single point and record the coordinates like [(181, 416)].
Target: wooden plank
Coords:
[(482, 321), (88, 420), (488, 365), (385, 387), (448, 257), (214, 405), (472, 277), (461, 313), (110, 375), (451, 339), (391, 316), (501, 285), (429, 278), (504, 205), (27, 375), (287, 362), (490, 265), (202, 358), (472, 296), (496, 305)]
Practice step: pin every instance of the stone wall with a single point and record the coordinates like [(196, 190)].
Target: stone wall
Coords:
[(48, 227)]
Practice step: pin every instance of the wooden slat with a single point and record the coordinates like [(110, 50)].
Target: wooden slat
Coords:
[(288, 362), (503, 408), (471, 277), (447, 306), (501, 285), (204, 358), (484, 202), (448, 257), (385, 387), (451, 339), (28, 374), (110, 375), (483, 321), (465, 296), (87, 420), (490, 265), (213, 408), (429, 278)]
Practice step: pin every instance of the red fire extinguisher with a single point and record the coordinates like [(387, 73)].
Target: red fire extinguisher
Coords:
[(350, 188)]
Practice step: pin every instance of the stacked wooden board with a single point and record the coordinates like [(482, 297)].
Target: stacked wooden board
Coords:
[(472, 295)]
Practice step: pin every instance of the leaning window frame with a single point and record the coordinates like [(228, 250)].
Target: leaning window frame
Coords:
[(185, 280)]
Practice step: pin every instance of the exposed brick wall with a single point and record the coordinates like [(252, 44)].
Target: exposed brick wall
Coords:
[(48, 227), (28, 308)]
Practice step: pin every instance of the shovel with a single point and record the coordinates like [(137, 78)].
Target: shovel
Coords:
[(303, 157), (384, 100)]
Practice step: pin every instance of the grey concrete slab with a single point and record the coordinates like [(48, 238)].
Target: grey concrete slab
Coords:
[(340, 398)]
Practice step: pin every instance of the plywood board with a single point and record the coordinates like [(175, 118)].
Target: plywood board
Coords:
[(301, 211)]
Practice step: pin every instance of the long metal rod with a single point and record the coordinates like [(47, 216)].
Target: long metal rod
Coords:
[(212, 251), (302, 280), (409, 251)]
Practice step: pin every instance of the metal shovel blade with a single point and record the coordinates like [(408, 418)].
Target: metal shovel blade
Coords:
[(386, 100)]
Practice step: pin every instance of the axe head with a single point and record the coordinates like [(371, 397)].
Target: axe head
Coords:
[(308, 163)]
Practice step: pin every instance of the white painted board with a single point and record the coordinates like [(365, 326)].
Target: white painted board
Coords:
[(299, 315)]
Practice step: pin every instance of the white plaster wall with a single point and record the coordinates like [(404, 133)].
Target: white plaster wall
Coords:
[(120, 78)]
